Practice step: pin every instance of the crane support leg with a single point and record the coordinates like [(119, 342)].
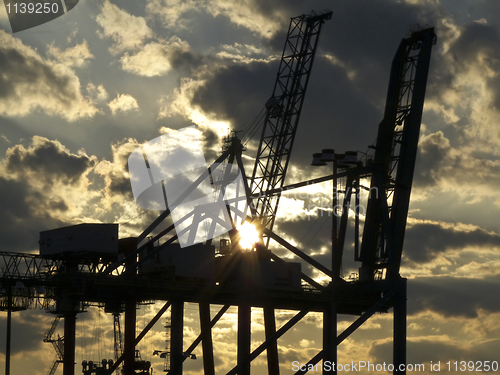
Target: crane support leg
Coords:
[(129, 342), (349, 330), (176, 353), (69, 344), (243, 357), (206, 339), (330, 339), (273, 365), (284, 329), (399, 349), (9, 331)]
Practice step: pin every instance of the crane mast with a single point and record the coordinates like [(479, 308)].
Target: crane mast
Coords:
[(394, 159), (283, 112)]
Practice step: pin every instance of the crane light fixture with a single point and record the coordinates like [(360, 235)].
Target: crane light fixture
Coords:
[(317, 162)]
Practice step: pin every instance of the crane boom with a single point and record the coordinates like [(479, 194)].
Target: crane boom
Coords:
[(283, 112), (395, 154)]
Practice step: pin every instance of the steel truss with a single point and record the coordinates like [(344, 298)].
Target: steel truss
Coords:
[(283, 112)]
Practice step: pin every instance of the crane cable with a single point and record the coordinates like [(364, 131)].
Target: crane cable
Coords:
[(254, 125)]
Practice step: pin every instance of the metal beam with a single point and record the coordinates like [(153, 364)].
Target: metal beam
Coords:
[(244, 338), (297, 252), (347, 332), (273, 365), (206, 334), (399, 321), (9, 329), (286, 327), (195, 343), (69, 344), (330, 337), (176, 348)]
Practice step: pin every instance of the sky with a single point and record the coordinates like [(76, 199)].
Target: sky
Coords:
[(80, 93)]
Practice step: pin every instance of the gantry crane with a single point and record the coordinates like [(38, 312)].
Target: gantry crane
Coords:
[(379, 286)]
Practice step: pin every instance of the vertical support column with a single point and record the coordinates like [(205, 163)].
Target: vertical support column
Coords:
[(244, 320), (9, 330), (330, 339), (206, 339), (128, 246), (176, 349), (69, 343), (330, 315), (273, 366), (129, 338), (399, 348)]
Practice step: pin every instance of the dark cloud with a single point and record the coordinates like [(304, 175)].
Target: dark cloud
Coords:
[(27, 209), (24, 214), (435, 351), (237, 92), (453, 297), (425, 241), (28, 329), (476, 41), (476, 49), (48, 160), (185, 62), (433, 154)]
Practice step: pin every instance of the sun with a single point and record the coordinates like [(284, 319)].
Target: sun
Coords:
[(248, 234)]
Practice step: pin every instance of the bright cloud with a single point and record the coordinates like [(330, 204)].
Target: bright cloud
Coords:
[(99, 92), (123, 103), (52, 87), (126, 31), (242, 14), (75, 57), (180, 103), (155, 58)]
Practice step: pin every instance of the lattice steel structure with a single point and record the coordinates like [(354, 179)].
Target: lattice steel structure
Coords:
[(395, 154), (283, 112)]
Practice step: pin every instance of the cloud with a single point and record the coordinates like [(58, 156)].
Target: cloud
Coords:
[(45, 186), (75, 57), (452, 296), (181, 103), (158, 58), (245, 53), (115, 172), (426, 240), (172, 12), (127, 31), (123, 103), (29, 82), (47, 160), (248, 86), (463, 83), (98, 92), (5, 138), (259, 17), (42, 186)]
